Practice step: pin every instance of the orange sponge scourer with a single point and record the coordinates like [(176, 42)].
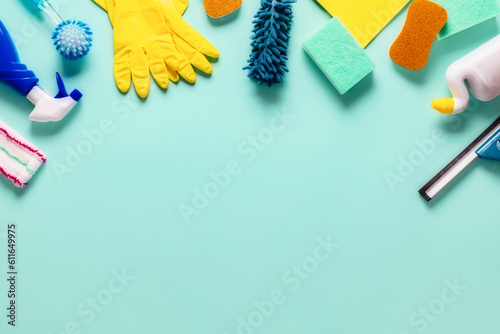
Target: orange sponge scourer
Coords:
[(220, 8), (424, 21)]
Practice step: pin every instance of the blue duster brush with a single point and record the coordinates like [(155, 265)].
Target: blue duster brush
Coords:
[(72, 39), (267, 63)]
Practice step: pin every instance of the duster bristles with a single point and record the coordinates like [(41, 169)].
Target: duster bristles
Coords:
[(267, 63)]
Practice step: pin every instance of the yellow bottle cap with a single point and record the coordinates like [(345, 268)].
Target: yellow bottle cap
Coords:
[(445, 105)]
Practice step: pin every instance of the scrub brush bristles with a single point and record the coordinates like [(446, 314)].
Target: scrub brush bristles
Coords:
[(267, 63), (72, 39)]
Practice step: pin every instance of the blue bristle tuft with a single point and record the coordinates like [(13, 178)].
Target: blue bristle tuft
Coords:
[(267, 63), (72, 39)]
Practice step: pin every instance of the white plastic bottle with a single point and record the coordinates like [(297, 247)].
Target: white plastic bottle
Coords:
[(481, 70)]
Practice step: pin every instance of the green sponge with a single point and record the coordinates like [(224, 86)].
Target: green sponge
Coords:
[(339, 55), (463, 14)]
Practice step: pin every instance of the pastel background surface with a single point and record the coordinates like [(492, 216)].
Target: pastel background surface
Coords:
[(323, 176)]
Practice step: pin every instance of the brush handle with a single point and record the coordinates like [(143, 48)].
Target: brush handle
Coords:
[(45, 6), (37, 2)]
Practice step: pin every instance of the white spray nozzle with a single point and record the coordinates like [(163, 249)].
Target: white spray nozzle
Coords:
[(52, 109)]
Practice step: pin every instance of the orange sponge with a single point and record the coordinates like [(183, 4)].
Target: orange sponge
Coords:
[(412, 47), (220, 8)]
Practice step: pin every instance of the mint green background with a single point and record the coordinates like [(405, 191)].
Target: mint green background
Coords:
[(323, 176)]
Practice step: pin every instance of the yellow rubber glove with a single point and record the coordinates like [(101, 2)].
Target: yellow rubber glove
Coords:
[(180, 6), (144, 42)]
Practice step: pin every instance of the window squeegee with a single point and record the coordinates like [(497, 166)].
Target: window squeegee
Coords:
[(486, 146)]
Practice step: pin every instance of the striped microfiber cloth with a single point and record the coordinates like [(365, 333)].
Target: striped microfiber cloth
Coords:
[(19, 159)]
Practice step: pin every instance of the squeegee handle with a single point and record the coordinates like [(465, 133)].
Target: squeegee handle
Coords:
[(491, 148)]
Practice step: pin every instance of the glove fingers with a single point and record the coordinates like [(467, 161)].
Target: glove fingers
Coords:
[(186, 71), (182, 29), (157, 66), (122, 71), (196, 58), (174, 76), (176, 60), (140, 72), (170, 54)]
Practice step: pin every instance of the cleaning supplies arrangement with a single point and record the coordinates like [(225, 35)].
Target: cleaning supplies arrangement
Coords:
[(19, 159), (339, 55), (464, 14), (481, 70), (16, 75), (424, 21), (272, 23), (151, 35), (220, 8), (72, 39), (486, 146)]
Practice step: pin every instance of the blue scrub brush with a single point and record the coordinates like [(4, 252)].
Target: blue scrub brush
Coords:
[(267, 63), (72, 39)]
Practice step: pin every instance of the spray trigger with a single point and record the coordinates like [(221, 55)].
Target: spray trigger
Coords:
[(75, 94), (60, 85)]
